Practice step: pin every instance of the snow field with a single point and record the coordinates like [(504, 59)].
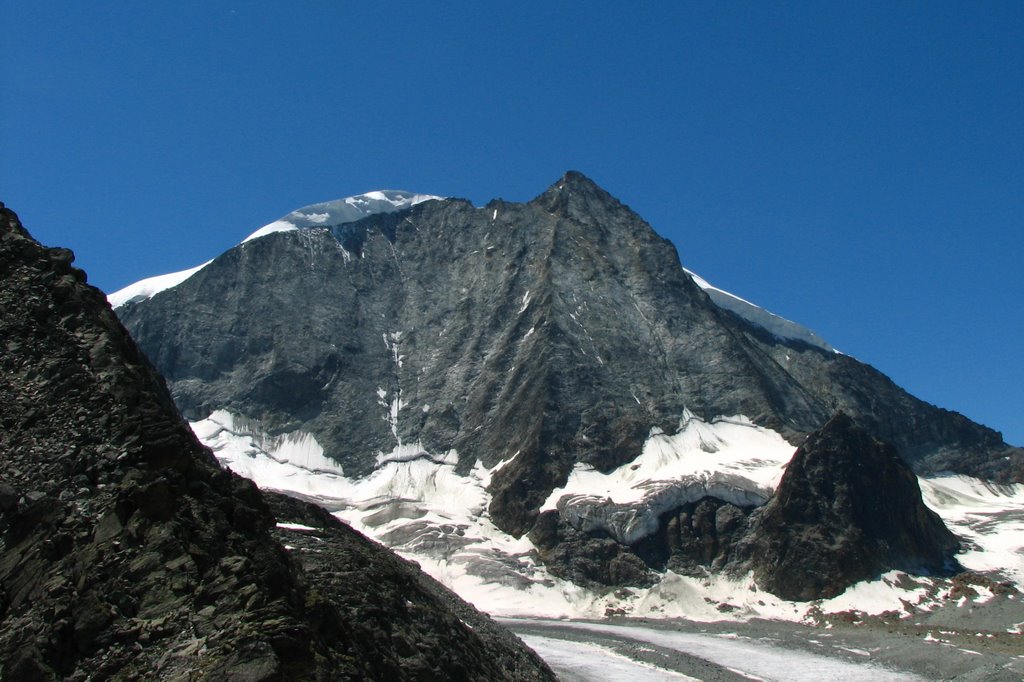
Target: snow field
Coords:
[(417, 504), (697, 451), (743, 655), (988, 516), (328, 213), (584, 661), (779, 326)]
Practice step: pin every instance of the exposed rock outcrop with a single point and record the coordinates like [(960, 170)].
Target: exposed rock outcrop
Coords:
[(128, 553), (590, 559), (694, 538), (847, 509)]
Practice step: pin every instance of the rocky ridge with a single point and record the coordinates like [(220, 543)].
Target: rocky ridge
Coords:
[(128, 553)]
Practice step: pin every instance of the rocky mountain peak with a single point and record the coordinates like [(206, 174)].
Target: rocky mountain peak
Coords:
[(847, 509), (577, 196), (575, 181)]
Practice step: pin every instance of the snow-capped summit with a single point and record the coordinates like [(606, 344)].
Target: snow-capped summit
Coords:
[(149, 287), (323, 214), (341, 211), (779, 326)]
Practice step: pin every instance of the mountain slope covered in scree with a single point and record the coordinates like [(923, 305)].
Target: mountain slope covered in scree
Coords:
[(128, 553), (539, 356)]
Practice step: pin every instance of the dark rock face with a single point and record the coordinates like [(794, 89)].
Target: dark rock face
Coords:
[(700, 536), (692, 539), (847, 509), (591, 559), (128, 553), (550, 333)]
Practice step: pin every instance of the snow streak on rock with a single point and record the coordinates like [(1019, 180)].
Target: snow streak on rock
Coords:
[(779, 326)]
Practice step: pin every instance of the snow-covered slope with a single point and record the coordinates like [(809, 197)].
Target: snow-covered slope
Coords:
[(151, 286), (324, 214), (779, 326), (987, 516), (731, 459), (343, 211), (419, 506)]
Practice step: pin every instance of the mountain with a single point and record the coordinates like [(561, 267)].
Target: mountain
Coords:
[(481, 383), (127, 552)]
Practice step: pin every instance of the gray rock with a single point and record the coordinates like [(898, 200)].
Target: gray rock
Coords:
[(8, 497), (847, 509)]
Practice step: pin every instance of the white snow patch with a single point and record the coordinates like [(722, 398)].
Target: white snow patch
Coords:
[(526, 301), (331, 213), (877, 596), (990, 516), (151, 286), (392, 417), (295, 526), (696, 452), (503, 463), (779, 326), (393, 342), (542, 596), (276, 226), (293, 462)]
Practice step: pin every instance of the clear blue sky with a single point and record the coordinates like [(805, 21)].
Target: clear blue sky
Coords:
[(856, 167)]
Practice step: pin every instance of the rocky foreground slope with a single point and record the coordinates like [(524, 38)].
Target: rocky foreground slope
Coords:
[(128, 553)]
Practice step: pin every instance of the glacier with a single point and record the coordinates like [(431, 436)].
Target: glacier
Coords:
[(427, 512), (323, 214)]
